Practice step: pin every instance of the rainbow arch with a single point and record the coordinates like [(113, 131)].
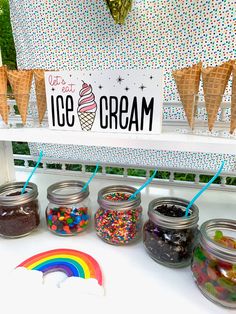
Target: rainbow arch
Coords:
[(72, 262)]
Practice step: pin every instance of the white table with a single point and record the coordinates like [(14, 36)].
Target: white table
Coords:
[(133, 281)]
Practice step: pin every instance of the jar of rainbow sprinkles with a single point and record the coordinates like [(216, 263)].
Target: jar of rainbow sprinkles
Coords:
[(68, 211), (214, 261), (118, 221)]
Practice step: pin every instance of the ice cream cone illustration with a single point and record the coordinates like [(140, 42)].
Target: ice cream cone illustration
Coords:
[(20, 82), (215, 80), (87, 107), (4, 110), (187, 82), (233, 102), (119, 9), (40, 93)]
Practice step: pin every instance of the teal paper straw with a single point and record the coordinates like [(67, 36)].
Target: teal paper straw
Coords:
[(33, 171), (93, 175), (143, 186), (204, 188)]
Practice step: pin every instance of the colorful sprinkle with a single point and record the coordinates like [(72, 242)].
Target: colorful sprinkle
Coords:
[(118, 226)]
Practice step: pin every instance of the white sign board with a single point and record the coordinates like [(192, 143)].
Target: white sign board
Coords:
[(105, 101)]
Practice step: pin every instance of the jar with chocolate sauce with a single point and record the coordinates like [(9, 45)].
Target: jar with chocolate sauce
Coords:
[(19, 213)]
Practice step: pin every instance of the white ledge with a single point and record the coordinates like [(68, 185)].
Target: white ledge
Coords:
[(165, 141)]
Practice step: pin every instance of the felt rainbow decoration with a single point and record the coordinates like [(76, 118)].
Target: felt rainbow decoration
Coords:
[(73, 263)]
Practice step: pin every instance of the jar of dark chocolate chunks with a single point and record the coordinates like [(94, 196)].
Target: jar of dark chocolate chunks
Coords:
[(19, 213), (169, 237)]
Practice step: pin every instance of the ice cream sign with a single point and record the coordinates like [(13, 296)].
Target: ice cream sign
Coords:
[(105, 101)]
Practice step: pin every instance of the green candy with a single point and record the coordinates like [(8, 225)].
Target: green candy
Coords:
[(69, 220), (232, 297), (199, 255), (210, 288), (218, 235), (119, 9), (227, 284)]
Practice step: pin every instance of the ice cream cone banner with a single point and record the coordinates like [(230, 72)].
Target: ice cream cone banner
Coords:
[(87, 107), (187, 81), (119, 9), (20, 82), (40, 93), (4, 110), (215, 80), (233, 103)]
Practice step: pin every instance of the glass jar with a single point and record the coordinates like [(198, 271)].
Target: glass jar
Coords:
[(68, 211), (19, 213), (118, 220), (214, 261), (168, 236)]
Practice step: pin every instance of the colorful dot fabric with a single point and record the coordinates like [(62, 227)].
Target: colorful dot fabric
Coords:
[(82, 35)]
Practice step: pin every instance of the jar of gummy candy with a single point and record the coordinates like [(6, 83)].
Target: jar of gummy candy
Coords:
[(118, 221), (68, 211), (214, 261), (19, 213), (168, 236)]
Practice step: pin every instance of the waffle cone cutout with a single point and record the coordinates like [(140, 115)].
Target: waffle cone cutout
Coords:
[(187, 81), (233, 102), (20, 82), (40, 93), (4, 110), (215, 80)]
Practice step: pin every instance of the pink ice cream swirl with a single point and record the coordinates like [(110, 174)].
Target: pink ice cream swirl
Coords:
[(87, 99)]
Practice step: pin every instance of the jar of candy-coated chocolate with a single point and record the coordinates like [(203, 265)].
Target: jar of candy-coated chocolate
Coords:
[(214, 261), (68, 211), (169, 237), (19, 213), (119, 219)]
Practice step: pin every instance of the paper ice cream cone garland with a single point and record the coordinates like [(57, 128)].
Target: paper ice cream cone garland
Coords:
[(40, 93), (4, 110), (215, 80), (21, 82)]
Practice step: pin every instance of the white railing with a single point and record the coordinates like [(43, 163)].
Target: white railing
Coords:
[(170, 181)]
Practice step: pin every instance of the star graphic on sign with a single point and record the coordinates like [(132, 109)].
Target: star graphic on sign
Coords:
[(100, 86), (151, 77), (53, 89), (119, 80), (142, 87), (127, 88), (90, 74), (70, 75)]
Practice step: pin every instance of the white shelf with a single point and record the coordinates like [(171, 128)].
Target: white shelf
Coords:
[(133, 282), (165, 141)]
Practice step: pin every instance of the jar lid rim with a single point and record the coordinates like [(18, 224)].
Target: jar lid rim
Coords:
[(169, 221), (70, 198), (119, 205), (213, 246), (32, 193)]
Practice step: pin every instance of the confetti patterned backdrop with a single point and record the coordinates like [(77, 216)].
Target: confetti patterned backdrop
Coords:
[(81, 34), (136, 157)]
